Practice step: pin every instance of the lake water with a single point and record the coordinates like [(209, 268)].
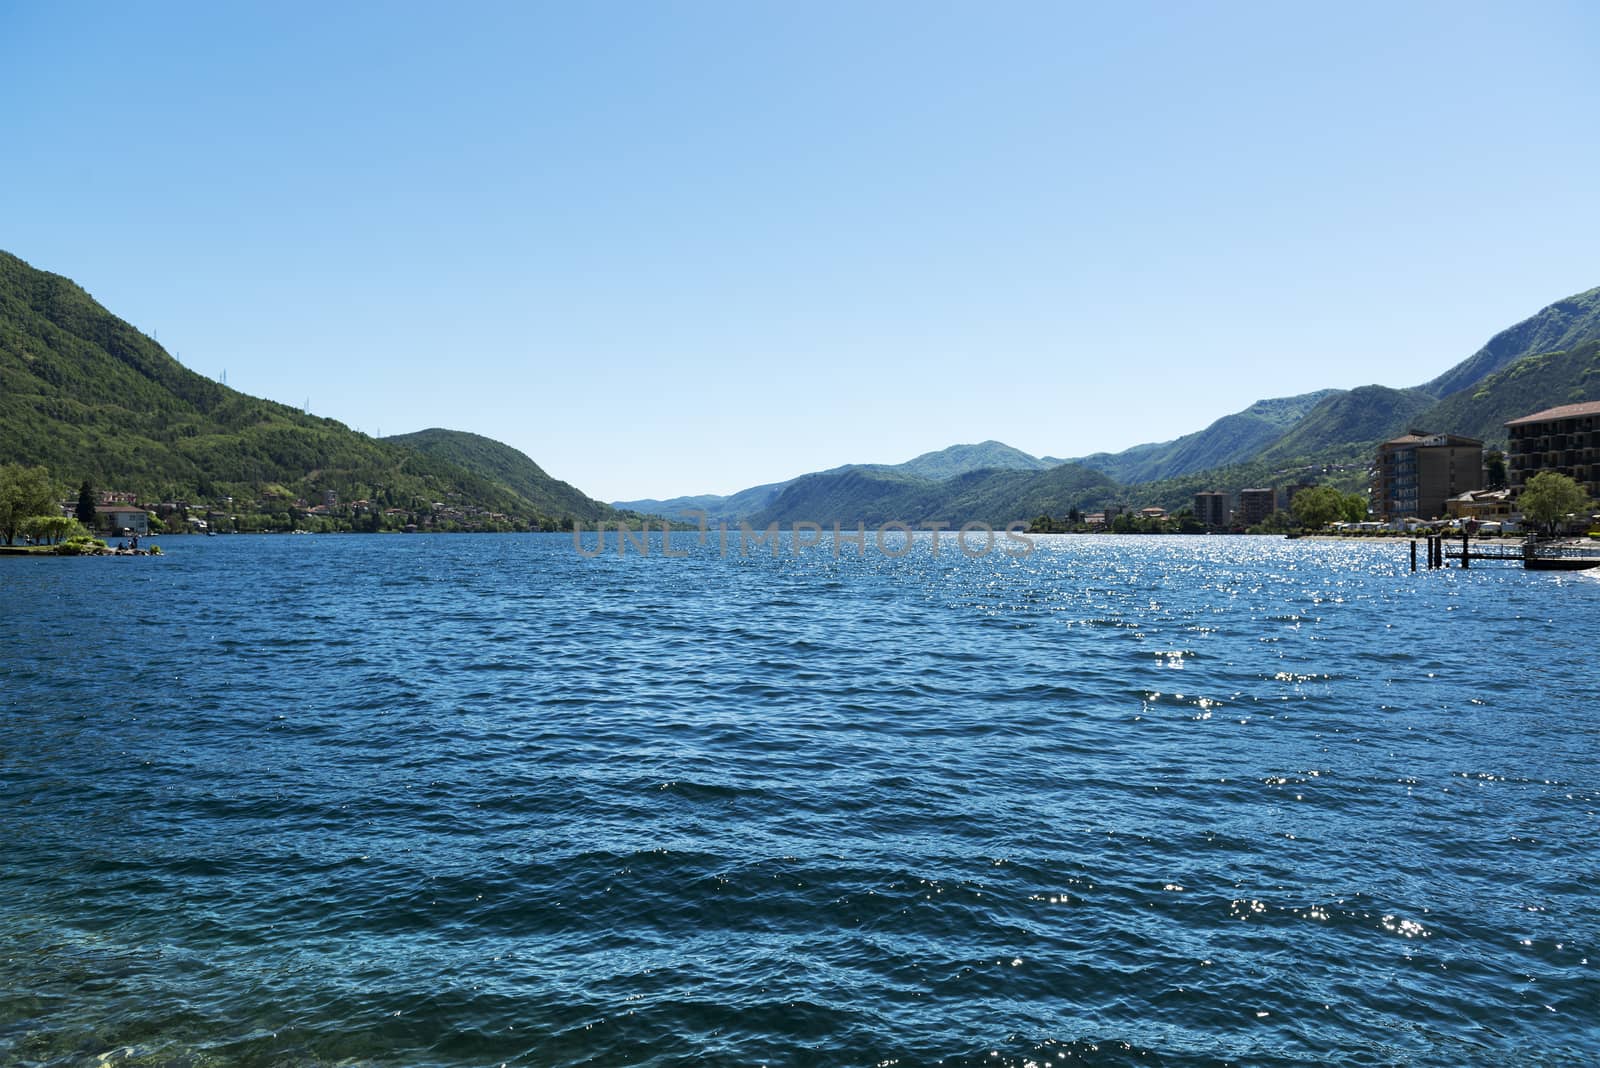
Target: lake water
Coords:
[(476, 800)]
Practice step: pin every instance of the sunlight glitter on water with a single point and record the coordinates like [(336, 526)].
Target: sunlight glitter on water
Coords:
[(555, 811)]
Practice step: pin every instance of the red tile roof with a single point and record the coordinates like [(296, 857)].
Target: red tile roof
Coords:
[(1564, 411)]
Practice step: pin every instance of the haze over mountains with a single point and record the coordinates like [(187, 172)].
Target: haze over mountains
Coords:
[(86, 394)]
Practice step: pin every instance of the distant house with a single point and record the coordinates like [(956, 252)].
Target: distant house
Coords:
[(1480, 505), (1152, 513), (119, 517), (1564, 439)]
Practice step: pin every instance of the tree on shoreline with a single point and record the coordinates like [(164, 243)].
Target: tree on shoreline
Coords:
[(52, 529), (1316, 507), (85, 512), (24, 492), (1550, 497)]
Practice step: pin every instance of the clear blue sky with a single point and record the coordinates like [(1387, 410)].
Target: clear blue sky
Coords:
[(673, 248)]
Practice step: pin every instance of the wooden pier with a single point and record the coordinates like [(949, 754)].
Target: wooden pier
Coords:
[(1529, 555)]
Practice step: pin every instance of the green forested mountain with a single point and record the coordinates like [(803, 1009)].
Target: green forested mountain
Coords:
[(1531, 384), (945, 463), (491, 459), (89, 396), (1316, 425), (1007, 496), (1229, 440), (861, 494), (1358, 418), (1555, 328), (961, 459)]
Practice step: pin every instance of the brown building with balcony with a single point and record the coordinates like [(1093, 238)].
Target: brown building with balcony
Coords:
[(1255, 505), (1419, 471), (1564, 439)]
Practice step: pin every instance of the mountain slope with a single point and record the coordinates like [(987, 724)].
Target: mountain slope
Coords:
[(1360, 418), (874, 496), (1532, 384), (1231, 439), (89, 396), (1555, 328), (960, 459), (945, 463), (500, 462)]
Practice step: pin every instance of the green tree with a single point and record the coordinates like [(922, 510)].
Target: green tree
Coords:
[(1279, 522), (1550, 497), (1355, 507), (85, 511), (1494, 465), (52, 529), (24, 492), (1316, 507)]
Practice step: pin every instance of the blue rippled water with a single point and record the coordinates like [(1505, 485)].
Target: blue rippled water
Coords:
[(477, 800)]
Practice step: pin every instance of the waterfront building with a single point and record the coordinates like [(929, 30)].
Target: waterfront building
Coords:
[(1480, 505), (1211, 509), (119, 517), (1255, 505), (1564, 439), (1418, 471)]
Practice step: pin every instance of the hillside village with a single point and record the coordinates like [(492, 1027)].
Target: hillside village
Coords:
[(119, 511)]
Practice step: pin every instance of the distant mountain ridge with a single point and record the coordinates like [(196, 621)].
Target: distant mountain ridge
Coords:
[(1306, 425), (941, 464), (1229, 440), (963, 459), (1544, 360), (995, 496)]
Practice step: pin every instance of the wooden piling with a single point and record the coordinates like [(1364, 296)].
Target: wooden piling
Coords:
[(1466, 554), (1413, 554)]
